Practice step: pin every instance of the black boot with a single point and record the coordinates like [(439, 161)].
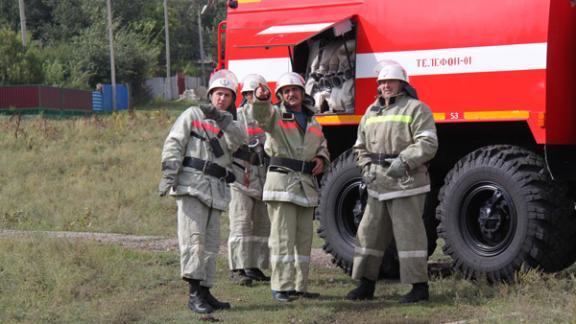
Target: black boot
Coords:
[(212, 301), (364, 290), (256, 274), (239, 277), (419, 292), (197, 303), (281, 296)]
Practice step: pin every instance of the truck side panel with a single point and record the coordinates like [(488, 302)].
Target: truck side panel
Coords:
[(560, 119), (471, 61)]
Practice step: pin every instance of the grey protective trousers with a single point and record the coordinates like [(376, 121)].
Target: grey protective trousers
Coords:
[(290, 244), (198, 238), (401, 219), (249, 232)]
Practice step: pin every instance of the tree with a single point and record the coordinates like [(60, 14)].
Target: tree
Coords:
[(70, 47), (135, 57), (18, 64)]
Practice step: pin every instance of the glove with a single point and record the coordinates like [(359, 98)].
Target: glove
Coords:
[(397, 168), (169, 172), (367, 176), (165, 185), (222, 118), (210, 112), (262, 92)]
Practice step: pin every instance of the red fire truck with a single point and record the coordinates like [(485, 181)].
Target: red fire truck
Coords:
[(500, 77)]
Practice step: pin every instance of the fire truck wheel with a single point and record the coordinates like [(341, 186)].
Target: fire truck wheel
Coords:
[(340, 211), (499, 210)]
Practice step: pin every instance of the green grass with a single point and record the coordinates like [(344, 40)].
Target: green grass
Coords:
[(97, 174), (85, 174), (100, 174), (65, 281)]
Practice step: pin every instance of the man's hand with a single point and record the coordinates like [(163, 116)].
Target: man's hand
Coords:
[(397, 168), (319, 167), (262, 92)]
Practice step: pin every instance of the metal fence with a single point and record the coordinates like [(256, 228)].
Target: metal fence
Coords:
[(44, 98), (102, 100), (178, 84)]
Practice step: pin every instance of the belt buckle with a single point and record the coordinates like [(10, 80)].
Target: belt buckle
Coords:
[(302, 166), (254, 142), (204, 166)]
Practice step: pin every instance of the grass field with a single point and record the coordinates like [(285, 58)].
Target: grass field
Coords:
[(63, 281), (100, 174), (85, 174)]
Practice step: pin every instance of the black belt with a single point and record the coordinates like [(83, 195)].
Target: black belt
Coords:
[(295, 165), (380, 158), (245, 154), (209, 168)]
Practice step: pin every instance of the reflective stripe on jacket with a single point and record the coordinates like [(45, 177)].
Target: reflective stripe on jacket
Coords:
[(183, 141), (404, 128), (284, 138), (250, 178)]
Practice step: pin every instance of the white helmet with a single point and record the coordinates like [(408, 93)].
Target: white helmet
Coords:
[(289, 79), (251, 82), (222, 79), (391, 70)]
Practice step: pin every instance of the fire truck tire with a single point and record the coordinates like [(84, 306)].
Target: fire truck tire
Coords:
[(340, 212), (499, 210)]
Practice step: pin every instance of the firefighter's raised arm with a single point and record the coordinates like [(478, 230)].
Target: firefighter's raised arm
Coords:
[(263, 111), (262, 92)]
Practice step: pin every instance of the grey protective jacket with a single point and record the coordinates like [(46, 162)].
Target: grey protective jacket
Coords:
[(404, 128), (249, 177), (182, 142), (284, 138)]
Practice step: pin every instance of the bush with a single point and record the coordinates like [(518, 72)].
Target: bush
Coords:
[(18, 64)]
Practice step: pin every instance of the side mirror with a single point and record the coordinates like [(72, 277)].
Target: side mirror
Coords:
[(233, 4)]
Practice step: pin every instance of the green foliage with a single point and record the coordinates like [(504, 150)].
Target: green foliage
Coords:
[(65, 19), (135, 57), (72, 45), (18, 64), (189, 69)]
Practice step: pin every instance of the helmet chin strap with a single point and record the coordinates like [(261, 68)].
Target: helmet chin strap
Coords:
[(388, 98)]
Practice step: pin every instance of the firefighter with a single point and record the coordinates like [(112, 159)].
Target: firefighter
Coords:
[(195, 158), (396, 137), (298, 152), (248, 250)]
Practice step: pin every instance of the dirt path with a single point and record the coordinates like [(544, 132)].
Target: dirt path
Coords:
[(146, 243)]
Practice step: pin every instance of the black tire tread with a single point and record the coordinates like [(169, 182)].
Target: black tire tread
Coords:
[(552, 227), (335, 166), (390, 265)]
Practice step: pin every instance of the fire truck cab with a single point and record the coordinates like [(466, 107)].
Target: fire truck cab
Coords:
[(500, 78)]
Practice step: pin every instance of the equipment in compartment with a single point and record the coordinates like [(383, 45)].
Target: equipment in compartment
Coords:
[(330, 74)]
